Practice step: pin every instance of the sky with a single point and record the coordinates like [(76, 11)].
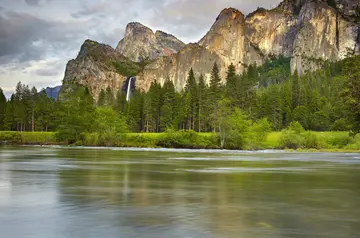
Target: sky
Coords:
[(38, 37)]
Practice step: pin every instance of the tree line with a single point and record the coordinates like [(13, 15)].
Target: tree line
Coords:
[(327, 99)]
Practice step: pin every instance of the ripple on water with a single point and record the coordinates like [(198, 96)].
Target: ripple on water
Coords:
[(250, 170)]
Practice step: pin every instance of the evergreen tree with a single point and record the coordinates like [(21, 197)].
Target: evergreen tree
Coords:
[(167, 118), (109, 97), (295, 90), (192, 100), (2, 109), (76, 115), (102, 98), (135, 112), (351, 92), (9, 118), (231, 84), (44, 112), (33, 99), (203, 109), (214, 91)]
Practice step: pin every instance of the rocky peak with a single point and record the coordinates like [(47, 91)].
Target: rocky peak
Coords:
[(227, 38), (230, 14), (169, 43), (94, 67), (140, 43)]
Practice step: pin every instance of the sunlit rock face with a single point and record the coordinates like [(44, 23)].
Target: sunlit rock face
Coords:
[(322, 34), (272, 31), (177, 66), (225, 43), (93, 68), (140, 43)]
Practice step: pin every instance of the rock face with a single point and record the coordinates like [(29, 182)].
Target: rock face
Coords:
[(176, 67), (140, 43), (272, 32), (224, 44), (94, 68), (309, 31)]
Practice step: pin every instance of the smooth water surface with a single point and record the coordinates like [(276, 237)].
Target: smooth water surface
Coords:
[(82, 192)]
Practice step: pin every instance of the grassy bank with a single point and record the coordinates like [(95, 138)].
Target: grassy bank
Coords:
[(304, 141)]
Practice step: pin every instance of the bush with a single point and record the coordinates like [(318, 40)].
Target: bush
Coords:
[(338, 140), (290, 139), (11, 137), (185, 139), (355, 145), (311, 140), (340, 125), (258, 133), (296, 127)]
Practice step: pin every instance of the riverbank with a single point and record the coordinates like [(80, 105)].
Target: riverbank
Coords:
[(307, 141)]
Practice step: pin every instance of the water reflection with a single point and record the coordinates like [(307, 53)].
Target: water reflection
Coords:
[(58, 192)]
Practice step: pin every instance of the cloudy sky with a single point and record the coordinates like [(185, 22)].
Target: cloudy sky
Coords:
[(38, 37)]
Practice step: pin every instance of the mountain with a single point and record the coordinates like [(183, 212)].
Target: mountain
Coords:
[(97, 66), (140, 43), (307, 31), (53, 92)]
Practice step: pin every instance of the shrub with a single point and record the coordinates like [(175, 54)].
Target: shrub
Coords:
[(258, 133), (338, 140), (185, 139), (296, 127), (340, 125), (311, 140), (355, 145), (290, 139), (11, 137)]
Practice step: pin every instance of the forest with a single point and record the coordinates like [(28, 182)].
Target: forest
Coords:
[(237, 114)]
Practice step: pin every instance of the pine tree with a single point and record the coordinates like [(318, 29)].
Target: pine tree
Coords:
[(44, 112), (2, 109), (214, 91), (33, 99), (193, 101), (351, 94), (167, 118), (135, 112), (102, 98), (109, 97), (295, 90), (231, 84), (9, 118), (76, 116), (203, 108)]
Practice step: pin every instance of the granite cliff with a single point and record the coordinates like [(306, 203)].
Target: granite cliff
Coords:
[(140, 43), (310, 32)]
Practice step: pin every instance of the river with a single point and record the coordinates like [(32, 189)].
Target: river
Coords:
[(50, 192)]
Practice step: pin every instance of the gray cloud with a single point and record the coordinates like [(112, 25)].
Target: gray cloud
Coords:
[(32, 2)]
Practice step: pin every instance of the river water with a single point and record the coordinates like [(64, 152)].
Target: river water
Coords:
[(83, 192)]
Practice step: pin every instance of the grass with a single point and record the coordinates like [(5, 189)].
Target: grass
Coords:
[(41, 138), (319, 141)]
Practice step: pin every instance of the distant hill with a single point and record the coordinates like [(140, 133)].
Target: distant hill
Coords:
[(53, 92)]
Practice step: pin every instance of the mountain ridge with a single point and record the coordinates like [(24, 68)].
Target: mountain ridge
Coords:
[(309, 32)]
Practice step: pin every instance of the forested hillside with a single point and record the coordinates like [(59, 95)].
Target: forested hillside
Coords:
[(324, 100)]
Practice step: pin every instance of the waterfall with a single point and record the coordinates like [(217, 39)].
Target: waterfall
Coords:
[(128, 90)]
